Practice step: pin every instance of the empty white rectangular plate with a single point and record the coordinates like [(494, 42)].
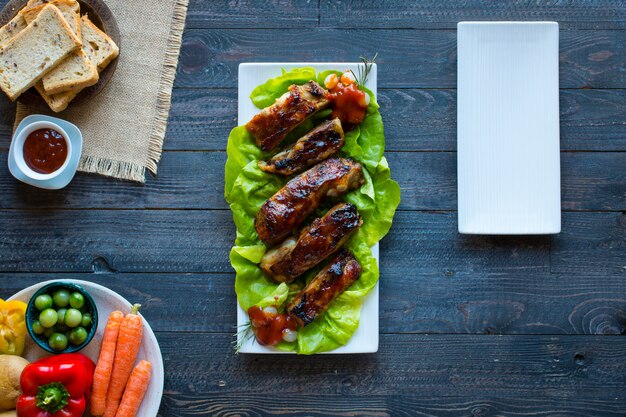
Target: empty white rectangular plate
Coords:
[(508, 128), (365, 339)]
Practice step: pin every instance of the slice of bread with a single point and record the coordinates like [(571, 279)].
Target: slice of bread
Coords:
[(77, 71), (59, 102), (73, 74), (36, 50), (15, 26), (56, 102), (105, 49), (69, 8)]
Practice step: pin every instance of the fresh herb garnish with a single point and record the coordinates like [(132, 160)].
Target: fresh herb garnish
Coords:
[(243, 335), (364, 70)]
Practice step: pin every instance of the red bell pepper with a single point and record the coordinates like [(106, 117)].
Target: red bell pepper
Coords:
[(56, 386)]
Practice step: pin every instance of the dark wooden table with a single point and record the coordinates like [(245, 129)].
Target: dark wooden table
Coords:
[(470, 326)]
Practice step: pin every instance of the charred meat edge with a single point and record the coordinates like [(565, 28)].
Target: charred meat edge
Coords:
[(327, 285), (320, 143), (292, 204), (272, 124), (325, 236)]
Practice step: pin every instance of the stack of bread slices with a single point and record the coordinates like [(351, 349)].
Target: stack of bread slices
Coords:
[(49, 45)]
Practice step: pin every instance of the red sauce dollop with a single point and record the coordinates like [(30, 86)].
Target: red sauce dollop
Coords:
[(45, 151), (269, 327), (349, 103)]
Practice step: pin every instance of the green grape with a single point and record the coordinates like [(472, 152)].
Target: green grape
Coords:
[(37, 327), (78, 336), (43, 302), (48, 318), (61, 298), (73, 317), (77, 300), (58, 342), (86, 322)]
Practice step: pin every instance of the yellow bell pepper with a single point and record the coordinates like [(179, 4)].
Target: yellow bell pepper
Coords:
[(12, 327)]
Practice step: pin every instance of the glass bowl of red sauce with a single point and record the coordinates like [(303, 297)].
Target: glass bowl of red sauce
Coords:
[(42, 150)]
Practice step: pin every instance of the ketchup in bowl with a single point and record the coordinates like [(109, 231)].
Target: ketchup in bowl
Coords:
[(45, 151)]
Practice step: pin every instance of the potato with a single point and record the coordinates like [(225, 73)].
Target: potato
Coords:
[(12, 413), (11, 368)]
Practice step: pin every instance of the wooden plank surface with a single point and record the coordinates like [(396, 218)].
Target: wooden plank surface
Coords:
[(252, 14), (495, 365), (433, 14), (121, 240), (414, 403), (408, 369), (408, 58), (603, 14), (583, 239), (470, 325)]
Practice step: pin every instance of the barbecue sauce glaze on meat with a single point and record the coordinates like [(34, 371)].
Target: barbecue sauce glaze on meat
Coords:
[(327, 285), (317, 145), (322, 238), (292, 204), (272, 124)]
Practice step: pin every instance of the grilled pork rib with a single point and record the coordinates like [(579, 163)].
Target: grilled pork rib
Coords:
[(292, 204), (322, 238), (317, 145), (327, 285), (272, 124)]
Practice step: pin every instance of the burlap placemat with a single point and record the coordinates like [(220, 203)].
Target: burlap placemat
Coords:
[(124, 126)]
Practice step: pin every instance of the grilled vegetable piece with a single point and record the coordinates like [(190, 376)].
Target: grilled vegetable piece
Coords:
[(317, 145), (292, 204), (272, 124), (322, 238), (327, 285)]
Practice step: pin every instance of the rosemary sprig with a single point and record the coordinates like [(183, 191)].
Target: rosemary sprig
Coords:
[(364, 70), (243, 335)]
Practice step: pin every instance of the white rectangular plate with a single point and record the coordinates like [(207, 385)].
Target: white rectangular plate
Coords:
[(508, 128), (365, 339)]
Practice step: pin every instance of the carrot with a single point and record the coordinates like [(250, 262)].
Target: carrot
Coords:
[(102, 375), (135, 390), (128, 342)]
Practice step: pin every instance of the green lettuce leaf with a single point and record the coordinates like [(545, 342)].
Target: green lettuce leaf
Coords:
[(251, 284), (277, 298), (266, 94), (247, 188), (377, 218), (367, 142), (240, 151)]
